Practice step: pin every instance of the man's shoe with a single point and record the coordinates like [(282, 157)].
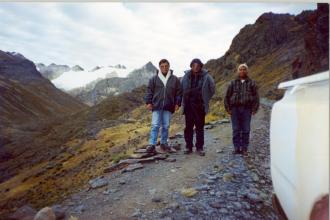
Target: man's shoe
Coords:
[(165, 148), (201, 153), (187, 151), (236, 151), (151, 149), (245, 152)]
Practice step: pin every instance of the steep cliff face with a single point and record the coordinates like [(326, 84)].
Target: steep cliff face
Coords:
[(277, 47), (315, 57)]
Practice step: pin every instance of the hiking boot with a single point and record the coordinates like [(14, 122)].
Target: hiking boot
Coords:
[(201, 152), (187, 151), (245, 152), (151, 149), (236, 151), (165, 148)]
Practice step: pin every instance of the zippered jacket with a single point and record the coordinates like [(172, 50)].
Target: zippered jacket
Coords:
[(207, 90), (164, 97), (242, 94)]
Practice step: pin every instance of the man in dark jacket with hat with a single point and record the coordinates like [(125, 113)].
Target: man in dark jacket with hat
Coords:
[(163, 98), (198, 88)]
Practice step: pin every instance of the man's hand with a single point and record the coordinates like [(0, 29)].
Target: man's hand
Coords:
[(177, 107), (229, 112), (254, 112), (149, 107)]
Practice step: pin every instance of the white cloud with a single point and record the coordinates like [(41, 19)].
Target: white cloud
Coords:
[(90, 34)]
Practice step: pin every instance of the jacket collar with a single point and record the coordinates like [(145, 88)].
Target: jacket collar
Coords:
[(247, 78), (169, 72)]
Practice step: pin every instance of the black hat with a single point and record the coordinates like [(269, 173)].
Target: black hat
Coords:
[(196, 60)]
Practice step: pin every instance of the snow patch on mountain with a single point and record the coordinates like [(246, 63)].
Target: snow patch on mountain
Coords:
[(74, 79)]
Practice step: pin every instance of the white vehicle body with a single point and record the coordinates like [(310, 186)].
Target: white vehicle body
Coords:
[(299, 144)]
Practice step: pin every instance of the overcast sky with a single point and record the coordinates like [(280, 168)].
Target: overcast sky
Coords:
[(90, 34)]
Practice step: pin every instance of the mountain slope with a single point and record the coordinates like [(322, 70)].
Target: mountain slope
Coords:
[(26, 95), (28, 100), (271, 47), (67, 153), (315, 57)]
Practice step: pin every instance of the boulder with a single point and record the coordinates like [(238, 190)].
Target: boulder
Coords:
[(45, 214)]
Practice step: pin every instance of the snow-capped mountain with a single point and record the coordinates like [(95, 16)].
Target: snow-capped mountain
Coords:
[(100, 89), (78, 77)]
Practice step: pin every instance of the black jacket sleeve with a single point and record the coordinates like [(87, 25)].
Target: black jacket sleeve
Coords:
[(228, 95), (178, 93), (150, 91)]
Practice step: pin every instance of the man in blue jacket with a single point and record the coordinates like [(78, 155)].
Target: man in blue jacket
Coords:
[(163, 98), (198, 88)]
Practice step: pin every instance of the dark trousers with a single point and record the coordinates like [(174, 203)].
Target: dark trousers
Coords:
[(241, 119), (197, 119)]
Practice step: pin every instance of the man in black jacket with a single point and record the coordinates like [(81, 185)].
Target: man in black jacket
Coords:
[(198, 88), (241, 101), (163, 98)]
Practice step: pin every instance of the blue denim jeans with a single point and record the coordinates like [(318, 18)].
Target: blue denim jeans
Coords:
[(241, 119), (160, 119)]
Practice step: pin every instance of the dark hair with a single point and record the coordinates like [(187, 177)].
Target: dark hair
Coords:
[(198, 61), (164, 61)]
